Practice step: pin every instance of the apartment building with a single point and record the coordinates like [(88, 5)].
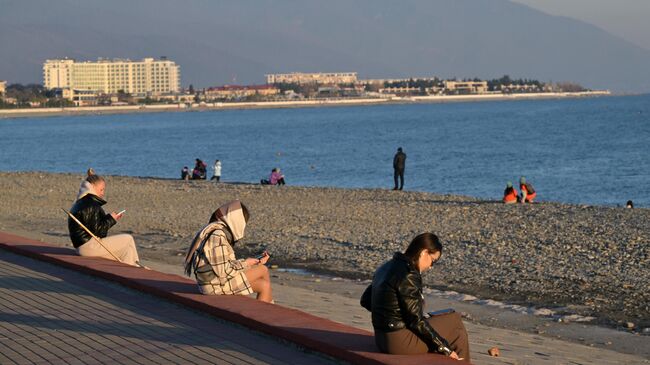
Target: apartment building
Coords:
[(140, 78), (312, 78), (237, 91), (3, 87)]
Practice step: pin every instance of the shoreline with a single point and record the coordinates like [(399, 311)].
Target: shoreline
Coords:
[(167, 108), (576, 259), (476, 199)]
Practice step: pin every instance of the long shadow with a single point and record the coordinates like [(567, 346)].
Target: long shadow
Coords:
[(22, 283), (348, 341)]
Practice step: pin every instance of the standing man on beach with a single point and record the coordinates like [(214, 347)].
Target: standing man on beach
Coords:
[(399, 162)]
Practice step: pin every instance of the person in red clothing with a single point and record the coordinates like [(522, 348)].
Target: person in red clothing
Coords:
[(510, 195), (528, 193)]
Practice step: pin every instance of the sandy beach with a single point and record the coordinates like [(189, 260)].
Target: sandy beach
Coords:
[(570, 263)]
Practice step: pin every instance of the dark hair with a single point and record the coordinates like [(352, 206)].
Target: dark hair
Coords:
[(247, 215), (94, 179), (629, 204), (424, 241)]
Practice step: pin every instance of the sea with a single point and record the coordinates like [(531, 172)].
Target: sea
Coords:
[(592, 151)]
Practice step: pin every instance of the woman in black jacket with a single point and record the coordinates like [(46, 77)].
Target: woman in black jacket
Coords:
[(396, 302), (88, 210)]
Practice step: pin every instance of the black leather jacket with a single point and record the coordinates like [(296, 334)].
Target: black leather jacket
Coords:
[(88, 210), (396, 301)]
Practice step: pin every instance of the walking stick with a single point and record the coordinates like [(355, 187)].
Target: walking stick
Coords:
[(96, 238)]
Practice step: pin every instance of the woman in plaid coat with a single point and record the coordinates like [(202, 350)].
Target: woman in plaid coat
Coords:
[(212, 259)]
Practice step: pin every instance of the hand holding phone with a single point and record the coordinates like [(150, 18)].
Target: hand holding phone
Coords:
[(263, 257), (121, 212)]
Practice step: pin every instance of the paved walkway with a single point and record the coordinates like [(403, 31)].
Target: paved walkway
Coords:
[(50, 314)]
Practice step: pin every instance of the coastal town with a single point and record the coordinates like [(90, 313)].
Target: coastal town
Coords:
[(150, 82)]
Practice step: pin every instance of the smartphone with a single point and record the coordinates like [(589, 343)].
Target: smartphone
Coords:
[(441, 312), (121, 212)]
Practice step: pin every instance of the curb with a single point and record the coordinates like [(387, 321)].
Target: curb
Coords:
[(317, 334)]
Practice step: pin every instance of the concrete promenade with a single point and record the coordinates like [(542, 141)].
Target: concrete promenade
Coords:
[(49, 314), (306, 331)]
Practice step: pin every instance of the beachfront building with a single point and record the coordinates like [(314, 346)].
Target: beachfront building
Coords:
[(525, 88), (3, 87), (238, 92), (148, 77), (466, 87), (406, 90), (300, 78), (80, 97)]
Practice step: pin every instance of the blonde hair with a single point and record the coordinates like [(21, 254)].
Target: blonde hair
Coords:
[(90, 172)]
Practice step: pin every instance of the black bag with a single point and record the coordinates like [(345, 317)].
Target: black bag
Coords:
[(530, 188)]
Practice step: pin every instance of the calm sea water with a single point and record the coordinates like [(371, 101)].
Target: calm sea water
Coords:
[(591, 151)]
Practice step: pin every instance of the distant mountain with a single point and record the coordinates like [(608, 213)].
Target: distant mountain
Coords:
[(218, 42)]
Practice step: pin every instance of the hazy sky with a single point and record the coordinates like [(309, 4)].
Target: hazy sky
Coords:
[(625, 18)]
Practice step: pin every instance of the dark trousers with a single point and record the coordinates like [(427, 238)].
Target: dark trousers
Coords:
[(404, 342), (399, 174)]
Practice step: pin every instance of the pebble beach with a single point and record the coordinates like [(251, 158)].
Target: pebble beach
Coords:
[(588, 260)]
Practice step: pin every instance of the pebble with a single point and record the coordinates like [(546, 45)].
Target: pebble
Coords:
[(494, 352), (542, 249)]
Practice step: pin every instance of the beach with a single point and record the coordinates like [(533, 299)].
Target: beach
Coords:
[(585, 260), (311, 103)]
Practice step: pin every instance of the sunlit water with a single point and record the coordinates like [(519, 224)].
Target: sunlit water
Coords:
[(588, 151)]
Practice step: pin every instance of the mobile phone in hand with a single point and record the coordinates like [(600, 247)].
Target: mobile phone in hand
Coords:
[(441, 312), (121, 212)]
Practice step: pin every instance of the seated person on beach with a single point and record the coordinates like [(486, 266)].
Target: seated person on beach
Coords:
[(200, 170), (212, 259), (629, 204), (510, 195), (276, 178), (88, 210), (185, 173), (396, 302), (528, 193)]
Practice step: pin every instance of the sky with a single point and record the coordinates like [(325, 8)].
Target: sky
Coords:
[(627, 19)]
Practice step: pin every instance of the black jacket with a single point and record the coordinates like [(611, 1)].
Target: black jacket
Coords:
[(88, 210), (395, 300), (399, 161)]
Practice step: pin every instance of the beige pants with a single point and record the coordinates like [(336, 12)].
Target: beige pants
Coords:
[(121, 245), (404, 342)]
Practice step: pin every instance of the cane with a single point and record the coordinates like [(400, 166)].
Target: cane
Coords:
[(96, 238)]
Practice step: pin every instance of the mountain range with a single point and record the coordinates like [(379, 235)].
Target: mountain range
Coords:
[(236, 42)]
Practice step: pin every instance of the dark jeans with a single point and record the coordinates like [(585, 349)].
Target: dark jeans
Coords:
[(399, 174)]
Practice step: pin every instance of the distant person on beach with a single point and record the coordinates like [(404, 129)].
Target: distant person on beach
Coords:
[(396, 302), (88, 210), (528, 193), (217, 171), (510, 195), (276, 178), (200, 170), (629, 204), (185, 173), (399, 163), (211, 257)]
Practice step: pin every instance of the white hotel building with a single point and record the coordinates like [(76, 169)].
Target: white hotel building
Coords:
[(141, 78)]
